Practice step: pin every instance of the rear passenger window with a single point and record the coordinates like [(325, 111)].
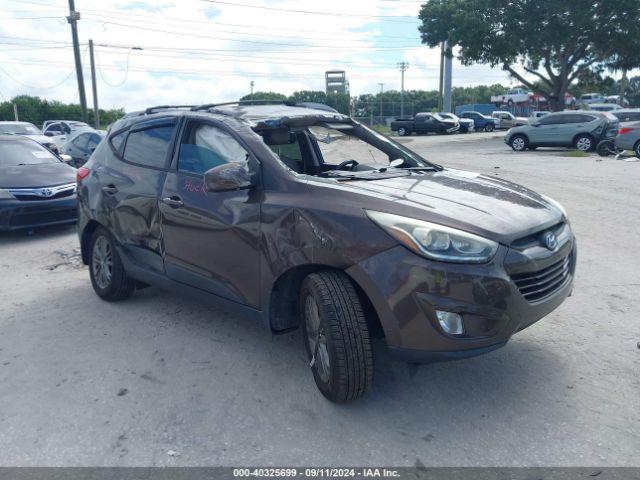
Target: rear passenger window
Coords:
[(205, 147), (149, 147)]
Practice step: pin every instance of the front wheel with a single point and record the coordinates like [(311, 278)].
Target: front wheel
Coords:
[(336, 336), (489, 127), (402, 131), (108, 278), (518, 143), (584, 143)]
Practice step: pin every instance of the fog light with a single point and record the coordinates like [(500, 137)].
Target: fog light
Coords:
[(450, 322)]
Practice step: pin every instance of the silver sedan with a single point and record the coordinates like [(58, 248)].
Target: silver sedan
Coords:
[(629, 137)]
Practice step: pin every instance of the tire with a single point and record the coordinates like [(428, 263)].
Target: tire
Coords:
[(108, 277), (402, 132), (510, 103), (636, 149), (489, 127), (604, 148), (336, 336), (518, 143), (584, 143)]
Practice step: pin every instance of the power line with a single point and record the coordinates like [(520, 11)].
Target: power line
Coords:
[(388, 18), (35, 87)]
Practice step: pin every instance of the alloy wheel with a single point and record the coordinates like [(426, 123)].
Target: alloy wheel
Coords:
[(102, 262), (584, 144), (317, 339), (518, 144)]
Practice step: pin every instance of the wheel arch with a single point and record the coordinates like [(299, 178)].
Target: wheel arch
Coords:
[(283, 308), (85, 239)]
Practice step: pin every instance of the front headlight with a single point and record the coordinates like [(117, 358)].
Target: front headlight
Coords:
[(434, 241), (6, 195)]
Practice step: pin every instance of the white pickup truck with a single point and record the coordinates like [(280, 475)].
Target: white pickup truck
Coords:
[(515, 95)]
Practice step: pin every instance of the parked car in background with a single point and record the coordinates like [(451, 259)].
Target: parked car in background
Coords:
[(507, 119), (304, 218), (60, 131), (28, 130), (604, 107), (628, 138), (589, 98), (581, 130), (538, 114), (424, 123), (616, 99), (515, 95), (537, 99), (466, 124), (37, 187), (480, 121), (81, 145), (627, 115)]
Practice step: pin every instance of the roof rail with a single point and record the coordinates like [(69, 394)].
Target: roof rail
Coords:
[(207, 106), (151, 110)]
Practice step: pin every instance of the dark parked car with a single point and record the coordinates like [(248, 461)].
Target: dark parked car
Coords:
[(580, 130), (37, 187), (481, 122), (305, 218), (424, 123)]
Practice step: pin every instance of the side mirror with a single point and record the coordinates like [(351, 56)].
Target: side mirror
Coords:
[(228, 176), (48, 133), (66, 158)]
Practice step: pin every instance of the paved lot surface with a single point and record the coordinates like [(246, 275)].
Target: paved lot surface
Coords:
[(84, 382)]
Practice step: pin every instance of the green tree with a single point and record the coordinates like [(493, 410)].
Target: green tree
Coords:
[(314, 96), (264, 96), (550, 40), (36, 110)]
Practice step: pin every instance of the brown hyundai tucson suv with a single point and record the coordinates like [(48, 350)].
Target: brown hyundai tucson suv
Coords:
[(302, 217)]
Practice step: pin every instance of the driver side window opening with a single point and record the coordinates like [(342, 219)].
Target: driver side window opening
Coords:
[(204, 147)]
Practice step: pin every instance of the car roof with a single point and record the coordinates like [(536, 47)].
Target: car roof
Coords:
[(8, 137), (12, 122), (252, 113)]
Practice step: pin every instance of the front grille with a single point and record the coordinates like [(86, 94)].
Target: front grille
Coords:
[(31, 197), (535, 286)]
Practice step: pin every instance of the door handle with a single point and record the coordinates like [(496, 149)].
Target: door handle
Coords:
[(173, 202), (109, 189)]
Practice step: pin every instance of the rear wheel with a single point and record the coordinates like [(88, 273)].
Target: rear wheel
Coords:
[(636, 149), (336, 336), (489, 127), (584, 143), (605, 148), (402, 131), (108, 277), (518, 143)]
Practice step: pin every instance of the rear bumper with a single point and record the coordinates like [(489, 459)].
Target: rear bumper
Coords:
[(19, 214), (406, 291)]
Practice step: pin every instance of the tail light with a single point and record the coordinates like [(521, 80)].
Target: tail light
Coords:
[(624, 130), (81, 174)]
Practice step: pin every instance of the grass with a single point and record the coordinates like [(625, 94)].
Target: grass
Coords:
[(575, 153), (382, 129)]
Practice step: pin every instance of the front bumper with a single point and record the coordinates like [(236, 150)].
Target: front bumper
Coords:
[(406, 290), (19, 214)]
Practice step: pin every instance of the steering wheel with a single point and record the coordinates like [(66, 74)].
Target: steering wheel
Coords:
[(353, 164)]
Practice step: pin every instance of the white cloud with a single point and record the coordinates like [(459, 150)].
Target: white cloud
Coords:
[(215, 50)]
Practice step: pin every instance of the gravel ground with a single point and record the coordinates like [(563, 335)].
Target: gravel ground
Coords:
[(160, 380)]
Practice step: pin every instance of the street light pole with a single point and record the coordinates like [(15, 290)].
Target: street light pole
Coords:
[(251, 83), (73, 21)]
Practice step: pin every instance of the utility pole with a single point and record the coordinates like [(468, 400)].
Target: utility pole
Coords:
[(96, 111), (251, 83), (440, 89), (448, 70), (15, 112), (381, 92), (402, 66), (73, 21)]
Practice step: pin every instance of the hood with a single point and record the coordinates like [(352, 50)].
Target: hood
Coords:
[(491, 207), (40, 139), (32, 176)]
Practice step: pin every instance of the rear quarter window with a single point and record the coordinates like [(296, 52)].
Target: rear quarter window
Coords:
[(117, 142)]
